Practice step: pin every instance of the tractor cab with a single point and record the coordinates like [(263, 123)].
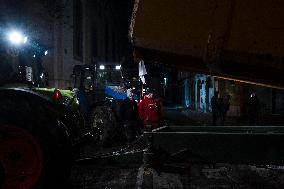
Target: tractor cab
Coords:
[(95, 80)]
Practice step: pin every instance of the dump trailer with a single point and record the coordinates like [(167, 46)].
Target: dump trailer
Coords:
[(239, 40), (230, 39)]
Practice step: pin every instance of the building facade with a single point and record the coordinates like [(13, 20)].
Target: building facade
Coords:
[(71, 42), (73, 31), (196, 91)]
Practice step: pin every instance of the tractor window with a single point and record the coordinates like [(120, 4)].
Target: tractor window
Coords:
[(109, 77), (77, 76), (88, 80)]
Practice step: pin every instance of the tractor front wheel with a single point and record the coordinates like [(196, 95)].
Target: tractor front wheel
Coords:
[(103, 123)]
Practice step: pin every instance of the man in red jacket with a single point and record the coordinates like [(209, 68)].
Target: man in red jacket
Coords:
[(150, 111)]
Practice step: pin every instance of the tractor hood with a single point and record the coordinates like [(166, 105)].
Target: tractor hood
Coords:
[(61, 96)]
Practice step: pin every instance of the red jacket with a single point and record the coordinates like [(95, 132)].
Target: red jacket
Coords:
[(149, 110)]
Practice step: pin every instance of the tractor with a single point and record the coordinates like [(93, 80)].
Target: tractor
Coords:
[(39, 127), (100, 89)]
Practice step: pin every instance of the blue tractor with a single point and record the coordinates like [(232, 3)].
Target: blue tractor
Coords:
[(100, 90)]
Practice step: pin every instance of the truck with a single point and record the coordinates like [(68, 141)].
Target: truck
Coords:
[(235, 40)]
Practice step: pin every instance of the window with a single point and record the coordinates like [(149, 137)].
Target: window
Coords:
[(106, 42), (78, 30)]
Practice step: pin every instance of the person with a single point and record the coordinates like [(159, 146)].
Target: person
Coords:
[(150, 111), (253, 109), (226, 107), (223, 105), (221, 112), (214, 106), (129, 116)]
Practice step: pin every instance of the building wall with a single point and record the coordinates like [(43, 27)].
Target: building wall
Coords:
[(103, 37), (63, 51), (110, 23), (278, 101)]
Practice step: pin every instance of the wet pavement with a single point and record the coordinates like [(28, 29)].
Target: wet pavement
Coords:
[(94, 176), (197, 176)]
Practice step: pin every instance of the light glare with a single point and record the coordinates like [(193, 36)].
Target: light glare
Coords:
[(25, 39)]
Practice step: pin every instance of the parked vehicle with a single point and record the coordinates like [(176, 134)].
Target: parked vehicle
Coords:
[(40, 127)]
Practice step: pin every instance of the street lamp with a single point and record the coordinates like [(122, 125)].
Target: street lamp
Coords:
[(17, 38)]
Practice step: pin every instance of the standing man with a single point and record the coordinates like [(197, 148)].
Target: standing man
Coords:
[(226, 107), (129, 116), (221, 111), (215, 107), (253, 109)]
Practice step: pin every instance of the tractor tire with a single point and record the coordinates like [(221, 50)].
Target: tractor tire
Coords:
[(35, 149), (103, 123)]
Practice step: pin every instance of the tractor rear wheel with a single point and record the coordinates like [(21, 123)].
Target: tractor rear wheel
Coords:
[(31, 160), (35, 148), (21, 157)]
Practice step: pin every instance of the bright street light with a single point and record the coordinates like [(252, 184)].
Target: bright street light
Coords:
[(17, 38), (102, 67)]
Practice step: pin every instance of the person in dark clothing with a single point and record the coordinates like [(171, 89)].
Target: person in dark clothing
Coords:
[(224, 106), (214, 106), (253, 109), (220, 111), (129, 116)]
